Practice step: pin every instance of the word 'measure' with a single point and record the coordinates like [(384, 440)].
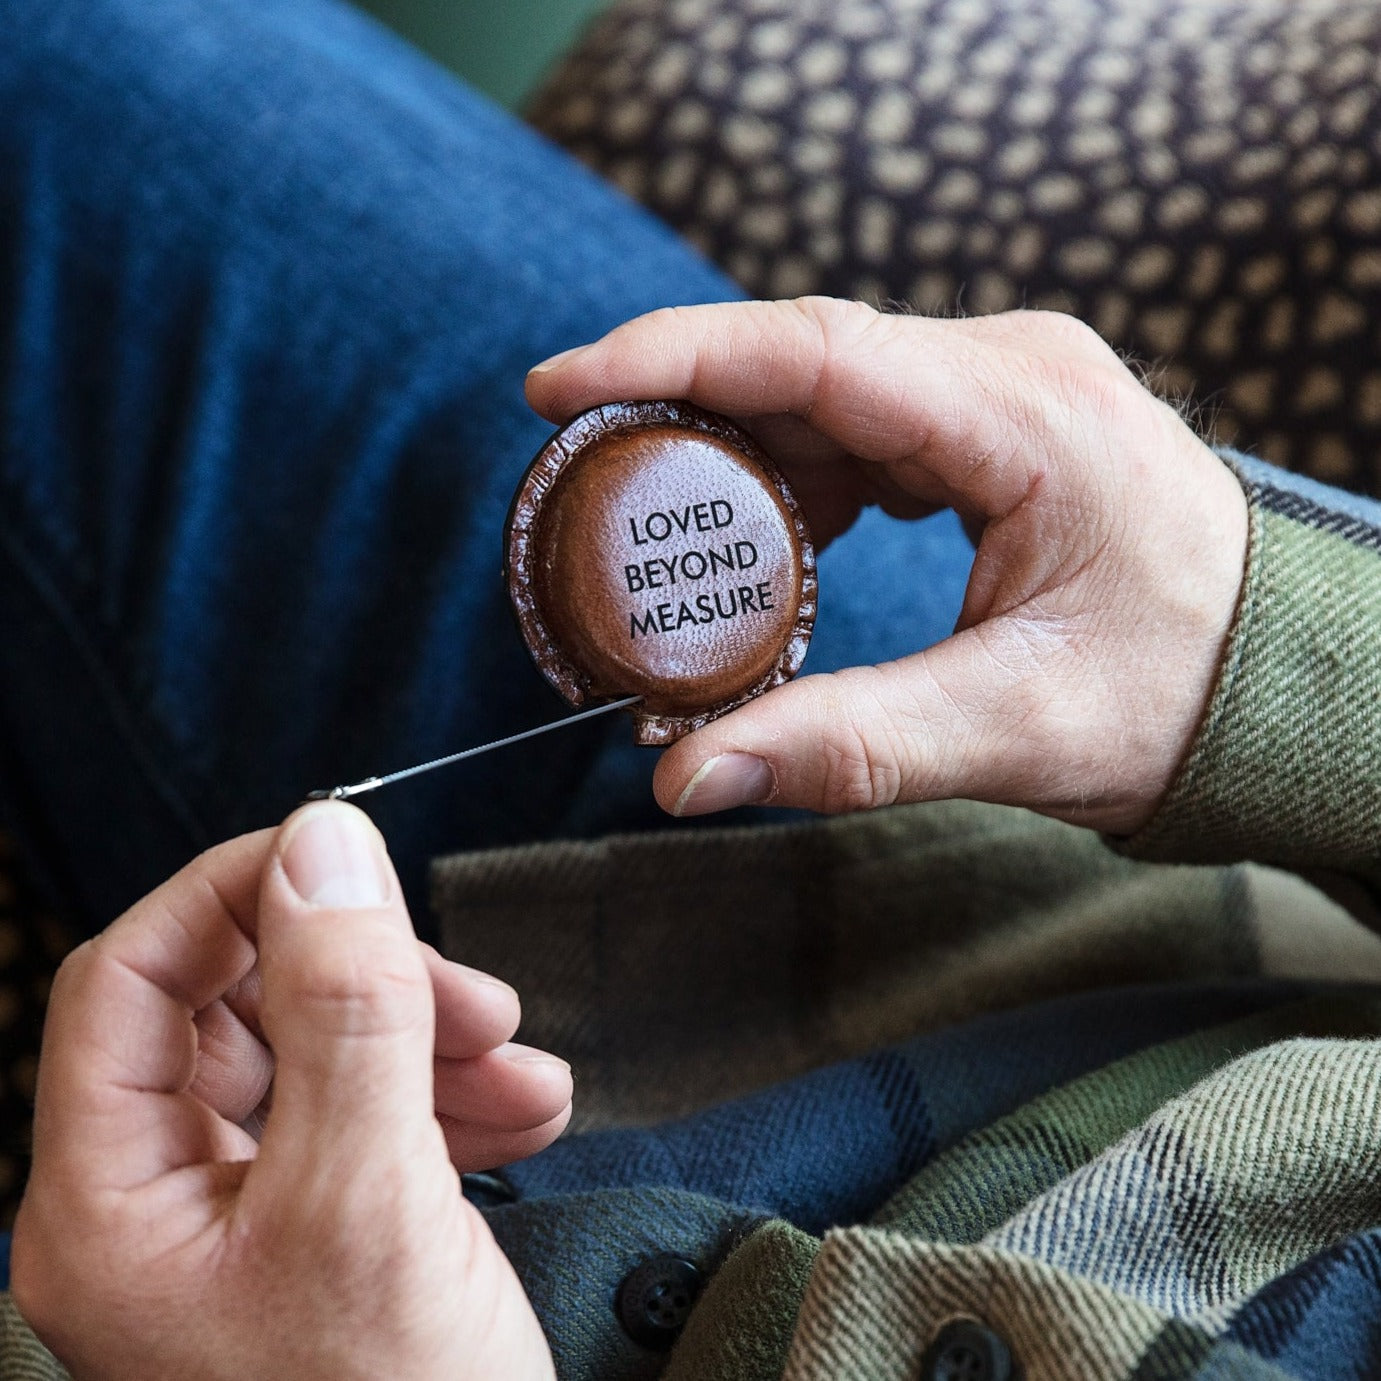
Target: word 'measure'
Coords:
[(668, 617)]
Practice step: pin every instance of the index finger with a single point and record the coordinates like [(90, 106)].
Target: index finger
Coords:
[(941, 400), (120, 1041)]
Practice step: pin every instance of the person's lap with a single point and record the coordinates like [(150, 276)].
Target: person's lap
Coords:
[(269, 286)]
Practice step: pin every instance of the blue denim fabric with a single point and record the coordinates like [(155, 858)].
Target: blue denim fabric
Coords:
[(1257, 472), (269, 285)]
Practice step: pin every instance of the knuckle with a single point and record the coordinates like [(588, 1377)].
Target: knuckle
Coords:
[(630, 340), (837, 325), (361, 987), (1080, 361), (1050, 327), (1061, 393), (667, 318), (1075, 383), (865, 752), (833, 313), (1111, 400)]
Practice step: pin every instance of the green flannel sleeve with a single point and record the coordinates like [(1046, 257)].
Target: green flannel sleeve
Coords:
[(1286, 767)]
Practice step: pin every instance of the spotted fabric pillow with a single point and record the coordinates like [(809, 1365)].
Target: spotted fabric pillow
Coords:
[(1199, 179)]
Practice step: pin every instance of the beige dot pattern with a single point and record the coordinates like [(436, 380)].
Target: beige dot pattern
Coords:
[(1198, 179)]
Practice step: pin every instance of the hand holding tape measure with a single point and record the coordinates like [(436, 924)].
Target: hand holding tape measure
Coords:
[(1110, 553), (660, 558)]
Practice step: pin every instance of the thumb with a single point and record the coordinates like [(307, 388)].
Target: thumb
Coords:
[(347, 1005), (954, 720)]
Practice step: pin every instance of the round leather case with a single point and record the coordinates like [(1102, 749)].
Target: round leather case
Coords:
[(653, 549)]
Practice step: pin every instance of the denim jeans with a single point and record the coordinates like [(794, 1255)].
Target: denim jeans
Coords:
[(269, 285)]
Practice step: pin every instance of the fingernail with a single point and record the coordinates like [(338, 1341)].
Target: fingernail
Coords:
[(526, 1055), (333, 858), (731, 779), (557, 359), (487, 980)]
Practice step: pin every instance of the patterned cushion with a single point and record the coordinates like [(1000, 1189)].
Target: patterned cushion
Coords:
[(1199, 179)]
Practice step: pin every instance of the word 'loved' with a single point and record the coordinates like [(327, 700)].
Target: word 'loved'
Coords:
[(698, 517)]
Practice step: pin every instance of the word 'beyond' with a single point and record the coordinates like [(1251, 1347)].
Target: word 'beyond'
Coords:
[(689, 565)]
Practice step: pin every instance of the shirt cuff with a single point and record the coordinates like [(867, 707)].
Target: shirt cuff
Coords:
[(1286, 767)]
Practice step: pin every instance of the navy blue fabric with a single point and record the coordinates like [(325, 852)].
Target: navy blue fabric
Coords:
[(269, 285), (572, 1252), (1323, 1317), (828, 1148)]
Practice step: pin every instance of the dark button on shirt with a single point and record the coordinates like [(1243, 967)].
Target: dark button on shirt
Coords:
[(967, 1350), (655, 1300)]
